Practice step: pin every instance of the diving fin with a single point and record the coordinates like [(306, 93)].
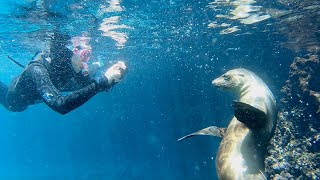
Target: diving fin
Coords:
[(249, 115), (211, 130)]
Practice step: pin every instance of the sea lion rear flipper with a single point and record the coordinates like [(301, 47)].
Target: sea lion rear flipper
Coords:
[(211, 130), (248, 115)]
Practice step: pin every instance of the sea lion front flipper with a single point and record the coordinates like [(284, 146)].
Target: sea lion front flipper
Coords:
[(249, 115), (211, 130)]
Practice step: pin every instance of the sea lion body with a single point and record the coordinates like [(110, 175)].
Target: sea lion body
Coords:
[(242, 149)]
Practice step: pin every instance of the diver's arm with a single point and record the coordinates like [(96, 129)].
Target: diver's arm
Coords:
[(54, 99), (79, 80)]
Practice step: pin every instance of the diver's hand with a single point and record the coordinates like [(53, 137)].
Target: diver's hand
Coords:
[(116, 72), (112, 76)]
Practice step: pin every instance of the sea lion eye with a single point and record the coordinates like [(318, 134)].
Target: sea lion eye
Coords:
[(226, 77)]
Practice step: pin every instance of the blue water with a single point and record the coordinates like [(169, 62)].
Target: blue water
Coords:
[(132, 131)]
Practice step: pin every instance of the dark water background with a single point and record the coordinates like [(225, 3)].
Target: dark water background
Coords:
[(132, 131)]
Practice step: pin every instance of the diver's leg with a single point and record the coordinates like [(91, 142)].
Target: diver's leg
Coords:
[(3, 93)]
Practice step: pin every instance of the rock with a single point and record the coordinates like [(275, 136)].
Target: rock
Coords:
[(294, 151)]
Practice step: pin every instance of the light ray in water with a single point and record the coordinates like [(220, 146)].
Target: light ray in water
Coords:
[(109, 28)]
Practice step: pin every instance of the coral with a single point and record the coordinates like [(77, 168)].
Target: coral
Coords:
[(294, 151)]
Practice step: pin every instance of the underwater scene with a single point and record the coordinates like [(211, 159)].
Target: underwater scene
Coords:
[(126, 89)]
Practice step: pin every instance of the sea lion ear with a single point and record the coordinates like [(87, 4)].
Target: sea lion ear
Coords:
[(250, 116)]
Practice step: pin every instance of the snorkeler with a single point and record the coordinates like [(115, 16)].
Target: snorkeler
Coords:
[(62, 69)]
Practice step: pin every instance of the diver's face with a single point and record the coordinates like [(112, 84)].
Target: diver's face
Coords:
[(80, 60)]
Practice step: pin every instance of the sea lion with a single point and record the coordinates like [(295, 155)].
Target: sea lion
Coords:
[(242, 150)]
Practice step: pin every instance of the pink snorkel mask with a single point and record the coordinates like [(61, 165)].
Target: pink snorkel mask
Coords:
[(84, 56), (82, 51)]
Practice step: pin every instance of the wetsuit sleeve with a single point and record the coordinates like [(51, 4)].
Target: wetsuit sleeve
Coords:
[(53, 98)]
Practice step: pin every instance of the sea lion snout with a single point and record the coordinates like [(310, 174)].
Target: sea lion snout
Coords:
[(221, 83), (214, 82), (217, 82)]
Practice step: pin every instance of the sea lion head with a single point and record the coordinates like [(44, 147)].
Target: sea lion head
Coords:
[(233, 80)]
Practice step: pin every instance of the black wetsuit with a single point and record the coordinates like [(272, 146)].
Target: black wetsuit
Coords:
[(44, 80)]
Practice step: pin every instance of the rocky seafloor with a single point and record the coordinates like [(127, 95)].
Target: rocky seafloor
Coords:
[(294, 151)]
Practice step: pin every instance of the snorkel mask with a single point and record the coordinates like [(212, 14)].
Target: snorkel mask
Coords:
[(82, 52), (83, 56)]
